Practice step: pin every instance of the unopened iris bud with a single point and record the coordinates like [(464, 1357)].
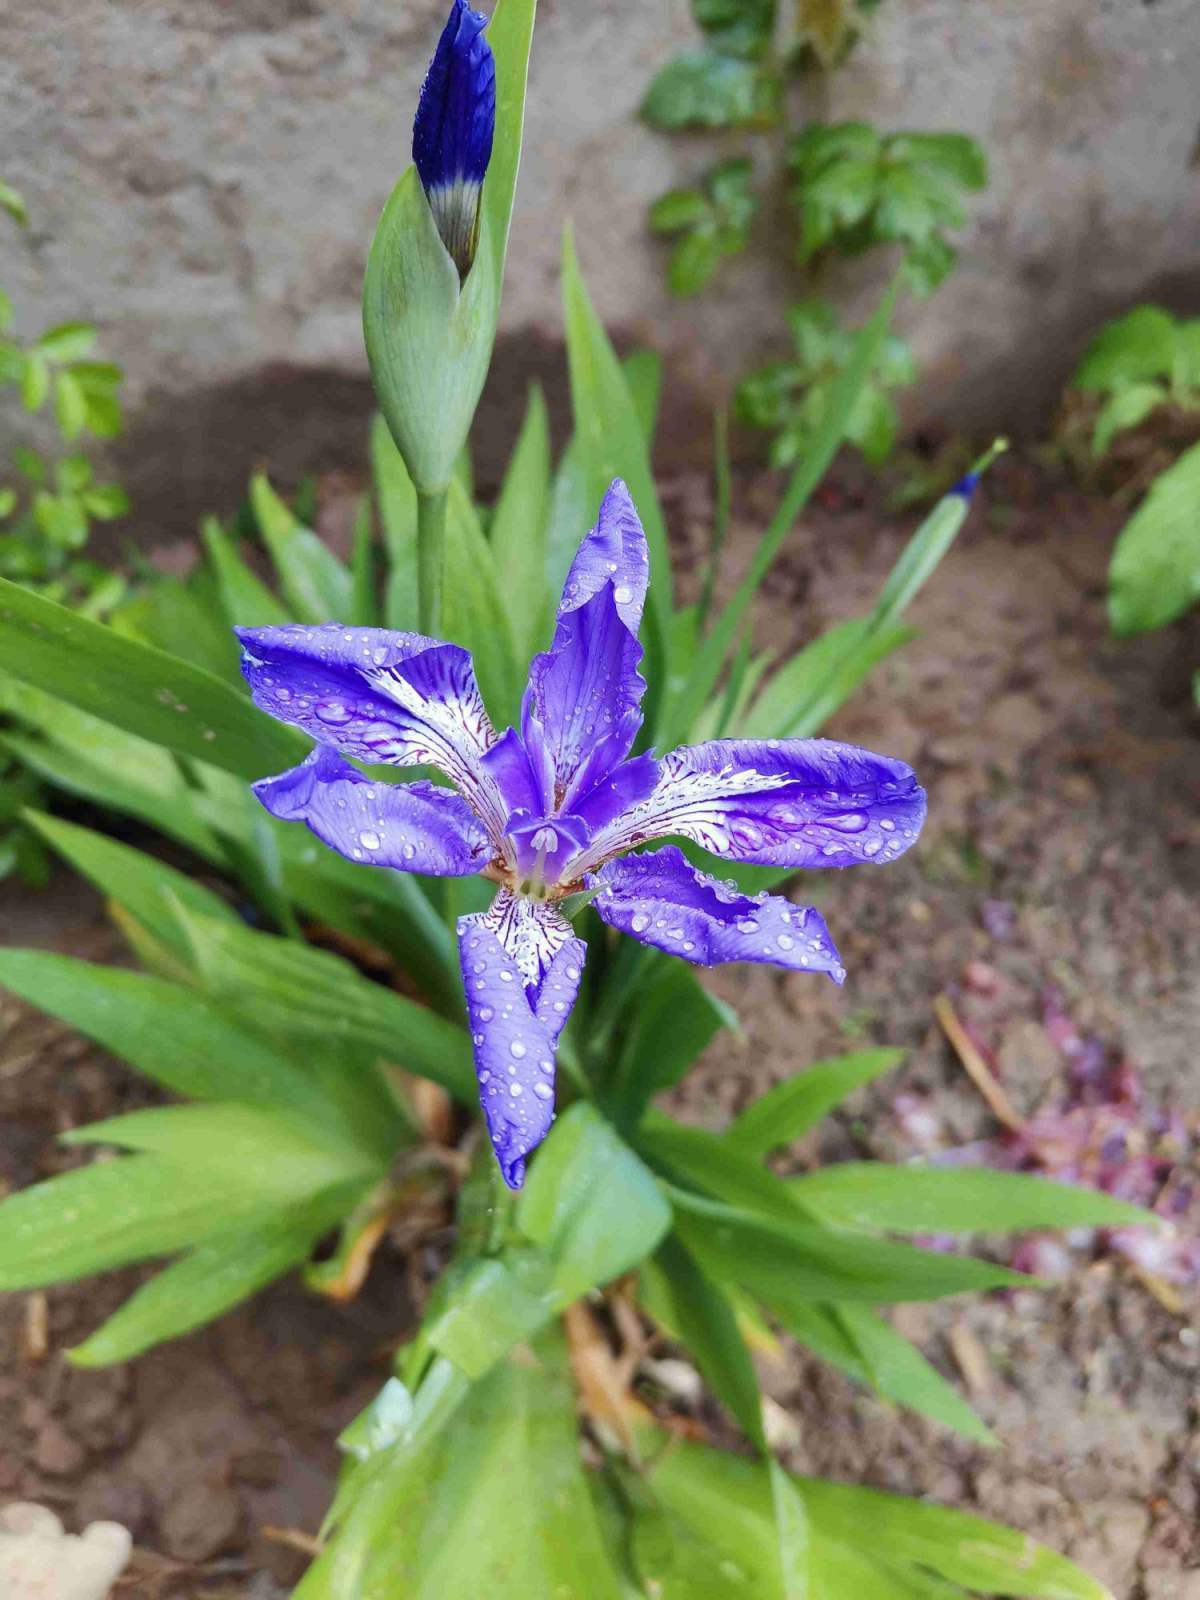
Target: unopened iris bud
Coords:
[(452, 133)]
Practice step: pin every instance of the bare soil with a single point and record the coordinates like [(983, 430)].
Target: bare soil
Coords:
[(1064, 771)]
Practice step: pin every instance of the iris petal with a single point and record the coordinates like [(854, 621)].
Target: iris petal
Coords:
[(661, 899), (582, 707), (415, 827), (789, 803), (521, 968), (378, 696)]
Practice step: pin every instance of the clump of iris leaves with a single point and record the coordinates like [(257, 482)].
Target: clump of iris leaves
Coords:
[(299, 1075)]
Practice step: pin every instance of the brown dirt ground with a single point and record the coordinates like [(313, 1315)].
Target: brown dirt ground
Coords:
[(1064, 771)]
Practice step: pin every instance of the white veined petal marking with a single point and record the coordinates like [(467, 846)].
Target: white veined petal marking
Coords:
[(532, 931)]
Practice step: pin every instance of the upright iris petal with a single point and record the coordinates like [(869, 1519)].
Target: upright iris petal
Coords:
[(547, 809), (452, 133)]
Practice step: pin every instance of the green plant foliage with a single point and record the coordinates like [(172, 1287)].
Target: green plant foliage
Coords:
[(791, 398), (827, 30), (708, 89), (915, 1551), (855, 188), (1137, 363), (713, 221), (1155, 572), (731, 82)]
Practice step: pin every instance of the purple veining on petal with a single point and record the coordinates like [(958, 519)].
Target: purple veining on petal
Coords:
[(620, 790), (415, 827), (661, 899), (777, 802), (382, 697), (583, 702)]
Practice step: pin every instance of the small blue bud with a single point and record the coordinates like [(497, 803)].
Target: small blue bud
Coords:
[(452, 133), (966, 485)]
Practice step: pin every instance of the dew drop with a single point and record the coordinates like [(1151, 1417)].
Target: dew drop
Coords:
[(640, 923), (516, 1049), (785, 941), (370, 841), (623, 594), (543, 1091)]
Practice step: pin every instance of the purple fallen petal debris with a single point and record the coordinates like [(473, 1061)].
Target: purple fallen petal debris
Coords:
[(1103, 1134), (547, 809)]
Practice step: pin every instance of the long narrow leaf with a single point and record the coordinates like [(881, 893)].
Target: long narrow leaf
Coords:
[(797, 1104), (137, 687), (210, 1280), (925, 1199)]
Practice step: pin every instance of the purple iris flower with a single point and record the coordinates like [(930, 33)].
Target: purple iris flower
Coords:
[(453, 129), (554, 807)]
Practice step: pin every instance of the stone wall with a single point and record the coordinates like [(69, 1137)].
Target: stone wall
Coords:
[(204, 175)]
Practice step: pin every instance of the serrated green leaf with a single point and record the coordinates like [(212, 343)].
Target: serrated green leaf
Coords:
[(1155, 571), (708, 89), (797, 1104), (955, 155)]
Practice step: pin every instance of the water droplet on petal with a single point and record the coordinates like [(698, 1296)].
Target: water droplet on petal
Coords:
[(516, 1049), (543, 1091), (370, 841)]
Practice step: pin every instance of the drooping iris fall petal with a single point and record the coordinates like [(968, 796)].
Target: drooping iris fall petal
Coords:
[(661, 899)]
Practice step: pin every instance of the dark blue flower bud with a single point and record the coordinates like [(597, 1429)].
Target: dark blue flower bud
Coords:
[(452, 133)]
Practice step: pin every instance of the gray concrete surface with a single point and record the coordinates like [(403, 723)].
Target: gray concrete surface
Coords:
[(203, 177)]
